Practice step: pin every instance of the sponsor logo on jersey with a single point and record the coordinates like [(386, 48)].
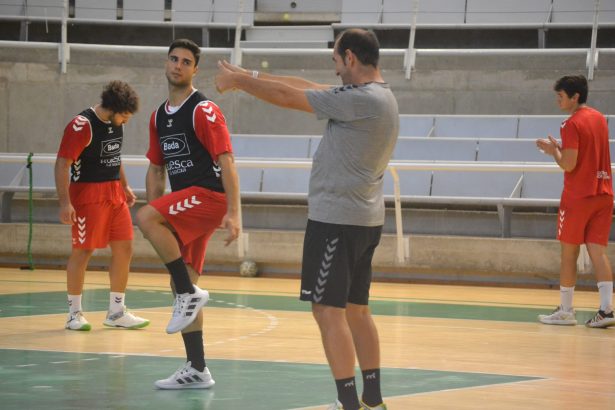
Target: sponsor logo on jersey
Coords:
[(603, 175), (174, 145), (178, 166), (111, 147), (111, 162)]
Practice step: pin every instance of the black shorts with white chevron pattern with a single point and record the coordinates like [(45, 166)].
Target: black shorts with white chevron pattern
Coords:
[(337, 263)]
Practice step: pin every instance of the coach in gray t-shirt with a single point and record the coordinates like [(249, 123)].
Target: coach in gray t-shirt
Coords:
[(345, 203), (348, 168)]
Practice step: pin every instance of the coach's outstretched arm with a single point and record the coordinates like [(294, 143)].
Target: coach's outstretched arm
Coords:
[(296, 82), (273, 89)]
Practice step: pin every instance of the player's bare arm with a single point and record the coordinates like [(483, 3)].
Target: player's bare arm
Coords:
[(155, 181), (230, 182), (61, 171), (274, 92), (131, 198)]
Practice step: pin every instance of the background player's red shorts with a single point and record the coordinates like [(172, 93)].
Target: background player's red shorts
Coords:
[(194, 213), (585, 220), (100, 223)]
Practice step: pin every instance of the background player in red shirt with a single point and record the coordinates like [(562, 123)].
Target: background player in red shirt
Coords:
[(188, 138), (586, 206), (96, 199)]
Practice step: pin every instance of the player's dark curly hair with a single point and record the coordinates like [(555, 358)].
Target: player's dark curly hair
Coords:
[(363, 43), (188, 45), (119, 97), (571, 85)]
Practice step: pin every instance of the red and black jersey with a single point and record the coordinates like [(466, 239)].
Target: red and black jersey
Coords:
[(94, 146), (189, 141)]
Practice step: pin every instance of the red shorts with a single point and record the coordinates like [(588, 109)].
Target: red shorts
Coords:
[(585, 220), (100, 223), (194, 213)]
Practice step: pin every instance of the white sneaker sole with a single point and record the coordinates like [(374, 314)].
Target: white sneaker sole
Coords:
[(83, 328), (567, 322), (162, 386), (135, 326), (601, 325)]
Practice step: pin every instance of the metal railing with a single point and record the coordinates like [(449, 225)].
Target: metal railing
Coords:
[(393, 168)]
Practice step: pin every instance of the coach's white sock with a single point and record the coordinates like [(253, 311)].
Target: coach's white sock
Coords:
[(116, 302), (74, 303), (566, 295), (606, 296)]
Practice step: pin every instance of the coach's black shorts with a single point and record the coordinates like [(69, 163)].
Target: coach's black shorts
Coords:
[(337, 263)]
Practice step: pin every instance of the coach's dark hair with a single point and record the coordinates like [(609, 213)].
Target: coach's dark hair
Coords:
[(188, 45), (119, 97), (571, 85), (363, 43)]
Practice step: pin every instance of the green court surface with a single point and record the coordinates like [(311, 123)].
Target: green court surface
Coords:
[(58, 380), (26, 304)]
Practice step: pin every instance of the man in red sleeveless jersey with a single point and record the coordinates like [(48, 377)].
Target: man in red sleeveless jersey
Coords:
[(190, 141), (96, 199), (586, 205)]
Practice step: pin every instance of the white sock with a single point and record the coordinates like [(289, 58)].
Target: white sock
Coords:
[(566, 295), (116, 302), (606, 296), (74, 303)]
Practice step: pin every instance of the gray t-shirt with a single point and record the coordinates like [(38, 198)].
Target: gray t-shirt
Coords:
[(349, 164)]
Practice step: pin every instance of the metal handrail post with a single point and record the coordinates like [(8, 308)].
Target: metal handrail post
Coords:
[(236, 57), (411, 53), (398, 221), (593, 51), (64, 41)]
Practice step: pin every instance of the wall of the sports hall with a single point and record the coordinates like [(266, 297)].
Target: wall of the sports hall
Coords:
[(36, 101)]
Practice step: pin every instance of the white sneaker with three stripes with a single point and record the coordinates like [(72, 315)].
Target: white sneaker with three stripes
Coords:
[(185, 309), (186, 377)]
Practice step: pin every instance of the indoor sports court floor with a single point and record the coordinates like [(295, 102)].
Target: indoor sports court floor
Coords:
[(443, 347)]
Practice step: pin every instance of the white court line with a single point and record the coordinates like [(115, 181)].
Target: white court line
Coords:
[(431, 392)]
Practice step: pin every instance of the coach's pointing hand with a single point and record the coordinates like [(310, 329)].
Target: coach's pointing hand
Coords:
[(224, 78)]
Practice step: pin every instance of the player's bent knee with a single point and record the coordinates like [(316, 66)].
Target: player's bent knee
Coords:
[(146, 218)]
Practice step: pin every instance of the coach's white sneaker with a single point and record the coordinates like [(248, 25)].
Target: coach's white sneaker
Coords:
[(76, 321), (336, 406), (187, 377), (125, 320), (381, 406), (185, 309), (601, 320), (559, 317)]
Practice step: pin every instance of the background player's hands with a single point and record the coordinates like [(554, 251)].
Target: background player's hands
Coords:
[(549, 145), (68, 215), (231, 224), (224, 78), (131, 198)]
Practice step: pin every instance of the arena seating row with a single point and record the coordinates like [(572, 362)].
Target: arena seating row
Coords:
[(475, 11), (352, 12), (423, 138), (195, 11), (211, 21)]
